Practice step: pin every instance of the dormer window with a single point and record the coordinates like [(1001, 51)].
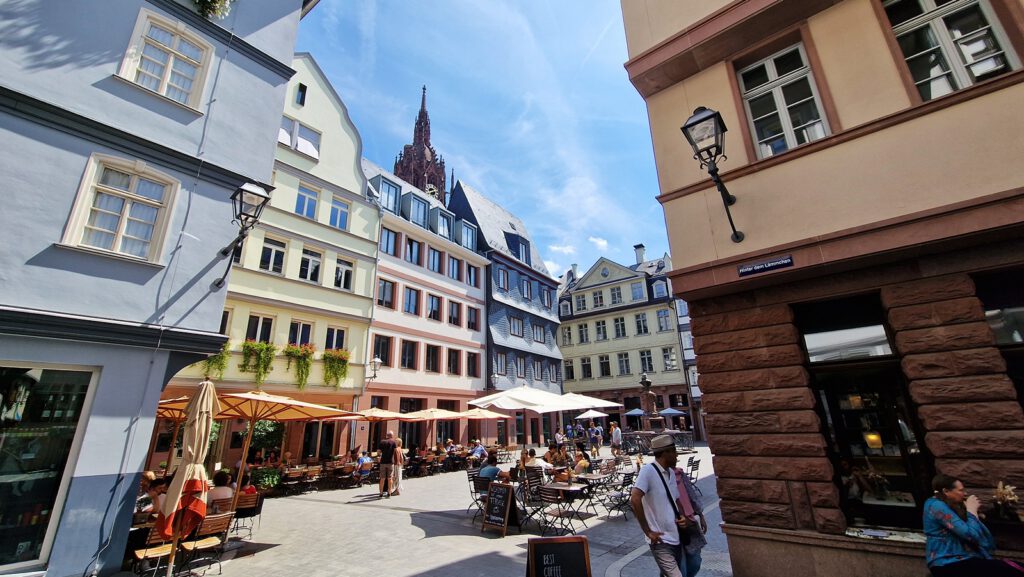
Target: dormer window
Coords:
[(469, 236), (564, 308), (418, 212), (660, 290), (444, 226), (524, 250), (389, 194)]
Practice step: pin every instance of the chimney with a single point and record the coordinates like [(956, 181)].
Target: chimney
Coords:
[(640, 255), (575, 274)]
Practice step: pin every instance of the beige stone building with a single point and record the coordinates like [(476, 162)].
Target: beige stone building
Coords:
[(869, 324), (619, 322), (305, 275)]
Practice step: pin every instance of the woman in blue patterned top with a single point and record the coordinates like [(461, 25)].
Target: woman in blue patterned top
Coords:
[(958, 543)]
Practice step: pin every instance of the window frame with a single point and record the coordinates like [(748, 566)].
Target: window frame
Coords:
[(455, 354), (515, 326), (538, 370), (646, 361), (583, 333), (295, 140), (283, 249), (616, 295), (297, 325), (619, 324), (391, 244), (415, 354), (436, 350), (774, 86), (564, 308), (133, 57), (386, 358), (641, 324), (501, 363), (329, 341), (456, 308), (472, 275), (501, 279), (472, 318), (429, 310), (413, 251), (395, 207), (600, 330), (454, 266), (411, 295), (308, 258), (435, 256), (302, 197), (381, 283), (520, 367), (664, 317), (566, 335), (472, 364), (634, 288), (598, 298), (418, 203), (586, 368), (348, 271), (581, 302), (88, 188), (542, 338), (622, 359), (931, 18), (667, 354), (526, 287), (569, 368), (340, 211), (472, 230), (264, 323)]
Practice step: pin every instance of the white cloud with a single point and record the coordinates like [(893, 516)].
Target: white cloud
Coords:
[(553, 267), (599, 242), (564, 249)]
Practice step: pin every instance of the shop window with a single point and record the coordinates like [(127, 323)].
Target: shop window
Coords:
[(40, 415), (882, 468), (1002, 296)]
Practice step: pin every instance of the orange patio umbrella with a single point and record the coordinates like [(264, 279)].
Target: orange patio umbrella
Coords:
[(259, 406)]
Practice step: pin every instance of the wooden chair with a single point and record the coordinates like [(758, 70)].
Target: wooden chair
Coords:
[(291, 480), (345, 475), (310, 479), (208, 543), (155, 550), (363, 473), (220, 505)]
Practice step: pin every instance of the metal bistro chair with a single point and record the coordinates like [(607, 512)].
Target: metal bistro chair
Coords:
[(480, 487), (556, 515), (208, 544), (618, 499), (291, 481), (692, 469), (248, 512)]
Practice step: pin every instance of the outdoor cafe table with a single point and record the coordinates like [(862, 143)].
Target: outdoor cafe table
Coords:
[(576, 495)]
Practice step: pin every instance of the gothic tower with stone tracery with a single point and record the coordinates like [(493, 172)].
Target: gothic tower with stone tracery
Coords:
[(418, 163)]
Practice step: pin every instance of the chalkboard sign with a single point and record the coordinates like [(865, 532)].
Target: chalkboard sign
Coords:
[(499, 502), (558, 557)]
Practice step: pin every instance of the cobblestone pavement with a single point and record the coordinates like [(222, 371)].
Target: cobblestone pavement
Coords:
[(426, 530)]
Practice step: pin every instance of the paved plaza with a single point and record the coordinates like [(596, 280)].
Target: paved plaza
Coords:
[(427, 531)]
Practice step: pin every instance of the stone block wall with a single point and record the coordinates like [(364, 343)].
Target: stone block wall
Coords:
[(770, 454), (966, 403), (769, 451)]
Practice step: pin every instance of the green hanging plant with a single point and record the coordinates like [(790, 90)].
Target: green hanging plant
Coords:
[(217, 8), (335, 366), (215, 365), (257, 358), (303, 357)]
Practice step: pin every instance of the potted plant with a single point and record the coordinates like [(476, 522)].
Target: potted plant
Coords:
[(1004, 502), (258, 358), (215, 365), (302, 355), (216, 8), (335, 363), (265, 479)]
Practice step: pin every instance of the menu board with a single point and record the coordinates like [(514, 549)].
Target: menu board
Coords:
[(499, 501), (558, 557)]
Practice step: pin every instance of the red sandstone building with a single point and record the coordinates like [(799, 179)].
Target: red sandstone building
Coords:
[(875, 151)]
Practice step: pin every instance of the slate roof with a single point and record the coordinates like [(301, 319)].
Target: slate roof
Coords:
[(521, 344), (496, 224)]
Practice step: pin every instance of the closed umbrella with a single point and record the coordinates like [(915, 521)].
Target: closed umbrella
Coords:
[(185, 502), (259, 406)]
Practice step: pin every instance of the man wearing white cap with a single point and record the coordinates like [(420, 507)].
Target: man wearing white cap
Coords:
[(668, 521)]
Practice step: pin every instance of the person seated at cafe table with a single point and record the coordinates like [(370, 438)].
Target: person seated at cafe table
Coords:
[(559, 457), (478, 451), (360, 474), (286, 461), (247, 487), (156, 495), (439, 450), (221, 487), (582, 464), (533, 461), (492, 472)]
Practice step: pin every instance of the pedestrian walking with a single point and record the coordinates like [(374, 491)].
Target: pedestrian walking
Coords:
[(387, 450), (670, 519), (616, 439)]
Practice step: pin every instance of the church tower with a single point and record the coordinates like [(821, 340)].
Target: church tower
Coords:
[(418, 163)]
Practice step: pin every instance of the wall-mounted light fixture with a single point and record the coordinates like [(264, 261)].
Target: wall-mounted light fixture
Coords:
[(705, 131), (248, 202), (375, 366)]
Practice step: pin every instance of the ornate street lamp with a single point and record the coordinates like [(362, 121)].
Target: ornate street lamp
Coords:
[(375, 366), (705, 131), (494, 380), (248, 202)]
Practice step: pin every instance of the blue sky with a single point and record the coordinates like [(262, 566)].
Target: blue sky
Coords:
[(529, 104)]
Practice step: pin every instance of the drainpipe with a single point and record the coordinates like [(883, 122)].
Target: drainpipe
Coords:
[(373, 309)]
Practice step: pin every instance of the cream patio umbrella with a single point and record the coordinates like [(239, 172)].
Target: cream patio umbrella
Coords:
[(432, 415), (259, 406), (479, 414), (590, 402), (185, 502), (591, 414)]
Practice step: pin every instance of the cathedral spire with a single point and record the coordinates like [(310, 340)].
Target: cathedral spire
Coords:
[(418, 163)]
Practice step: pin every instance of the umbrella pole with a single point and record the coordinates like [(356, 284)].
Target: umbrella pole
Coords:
[(245, 462), (174, 543), (174, 447), (152, 443)]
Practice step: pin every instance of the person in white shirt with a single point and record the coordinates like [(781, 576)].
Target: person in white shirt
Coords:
[(665, 519), (616, 434), (221, 487)]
